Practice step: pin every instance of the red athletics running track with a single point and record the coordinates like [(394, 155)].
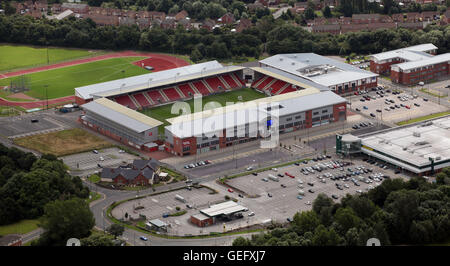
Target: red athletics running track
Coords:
[(157, 61)]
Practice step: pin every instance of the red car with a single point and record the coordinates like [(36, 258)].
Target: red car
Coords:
[(291, 176), (407, 107), (230, 190), (356, 93)]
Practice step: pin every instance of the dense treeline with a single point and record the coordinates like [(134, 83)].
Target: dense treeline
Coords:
[(396, 212), (278, 35), (28, 183)]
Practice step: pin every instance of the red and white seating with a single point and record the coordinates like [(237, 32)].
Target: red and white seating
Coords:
[(126, 101), (238, 79), (155, 95), (264, 83), (186, 90), (140, 98), (288, 89), (276, 86), (230, 81), (214, 83), (172, 94), (201, 87)]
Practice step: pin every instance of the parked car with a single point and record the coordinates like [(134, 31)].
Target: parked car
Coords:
[(334, 196), (95, 151), (230, 190), (269, 195), (143, 238), (251, 214)]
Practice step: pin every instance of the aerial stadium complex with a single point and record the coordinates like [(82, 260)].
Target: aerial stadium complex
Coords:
[(286, 102)]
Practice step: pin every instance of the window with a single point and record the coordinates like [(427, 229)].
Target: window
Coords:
[(315, 113), (324, 111), (298, 117), (289, 119)]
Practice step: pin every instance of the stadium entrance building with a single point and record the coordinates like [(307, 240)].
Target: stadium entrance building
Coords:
[(244, 122)]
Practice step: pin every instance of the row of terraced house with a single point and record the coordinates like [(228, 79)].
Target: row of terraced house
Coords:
[(113, 16), (359, 22)]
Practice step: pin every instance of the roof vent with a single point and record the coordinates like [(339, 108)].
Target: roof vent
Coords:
[(404, 148), (293, 63), (281, 59)]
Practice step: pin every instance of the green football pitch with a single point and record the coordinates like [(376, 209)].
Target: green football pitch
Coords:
[(62, 81), (162, 113), (15, 57)]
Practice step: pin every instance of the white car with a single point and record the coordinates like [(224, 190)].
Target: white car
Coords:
[(249, 168), (300, 181), (121, 151), (274, 169), (102, 159), (346, 186), (359, 191), (308, 203), (251, 214)]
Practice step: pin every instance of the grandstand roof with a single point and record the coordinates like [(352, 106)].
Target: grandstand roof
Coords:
[(289, 78), (216, 120), (152, 80), (424, 62), (317, 68), (405, 52), (122, 115)]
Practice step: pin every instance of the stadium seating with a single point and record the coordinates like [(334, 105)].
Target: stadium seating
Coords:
[(126, 101), (257, 81), (264, 83), (276, 86), (155, 95), (140, 98), (288, 89), (231, 82), (172, 94), (186, 89), (214, 83), (238, 79), (201, 87)]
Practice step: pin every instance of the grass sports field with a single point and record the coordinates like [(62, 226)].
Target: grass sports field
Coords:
[(162, 113), (62, 81), (14, 57), (63, 142)]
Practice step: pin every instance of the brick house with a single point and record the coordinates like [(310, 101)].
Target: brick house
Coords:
[(228, 18), (76, 8), (140, 172), (446, 17), (243, 24), (181, 15)]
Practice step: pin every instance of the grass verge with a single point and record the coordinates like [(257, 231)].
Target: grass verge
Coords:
[(423, 118), (21, 227)]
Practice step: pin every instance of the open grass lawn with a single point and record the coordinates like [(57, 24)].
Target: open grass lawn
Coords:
[(162, 113), (63, 142), (62, 82), (94, 197), (14, 57), (423, 118), (22, 227)]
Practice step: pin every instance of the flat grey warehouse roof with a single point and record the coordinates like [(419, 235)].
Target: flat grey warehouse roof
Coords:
[(413, 144)]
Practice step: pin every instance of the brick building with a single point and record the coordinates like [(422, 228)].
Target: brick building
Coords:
[(431, 68), (381, 63)]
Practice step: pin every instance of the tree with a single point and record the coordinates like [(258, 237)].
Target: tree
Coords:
[(324, 237), (63, 220), (309, 13), (305, 222), (97, 240), (346, 219), (241, 242), (116, 230), (327, 12)]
